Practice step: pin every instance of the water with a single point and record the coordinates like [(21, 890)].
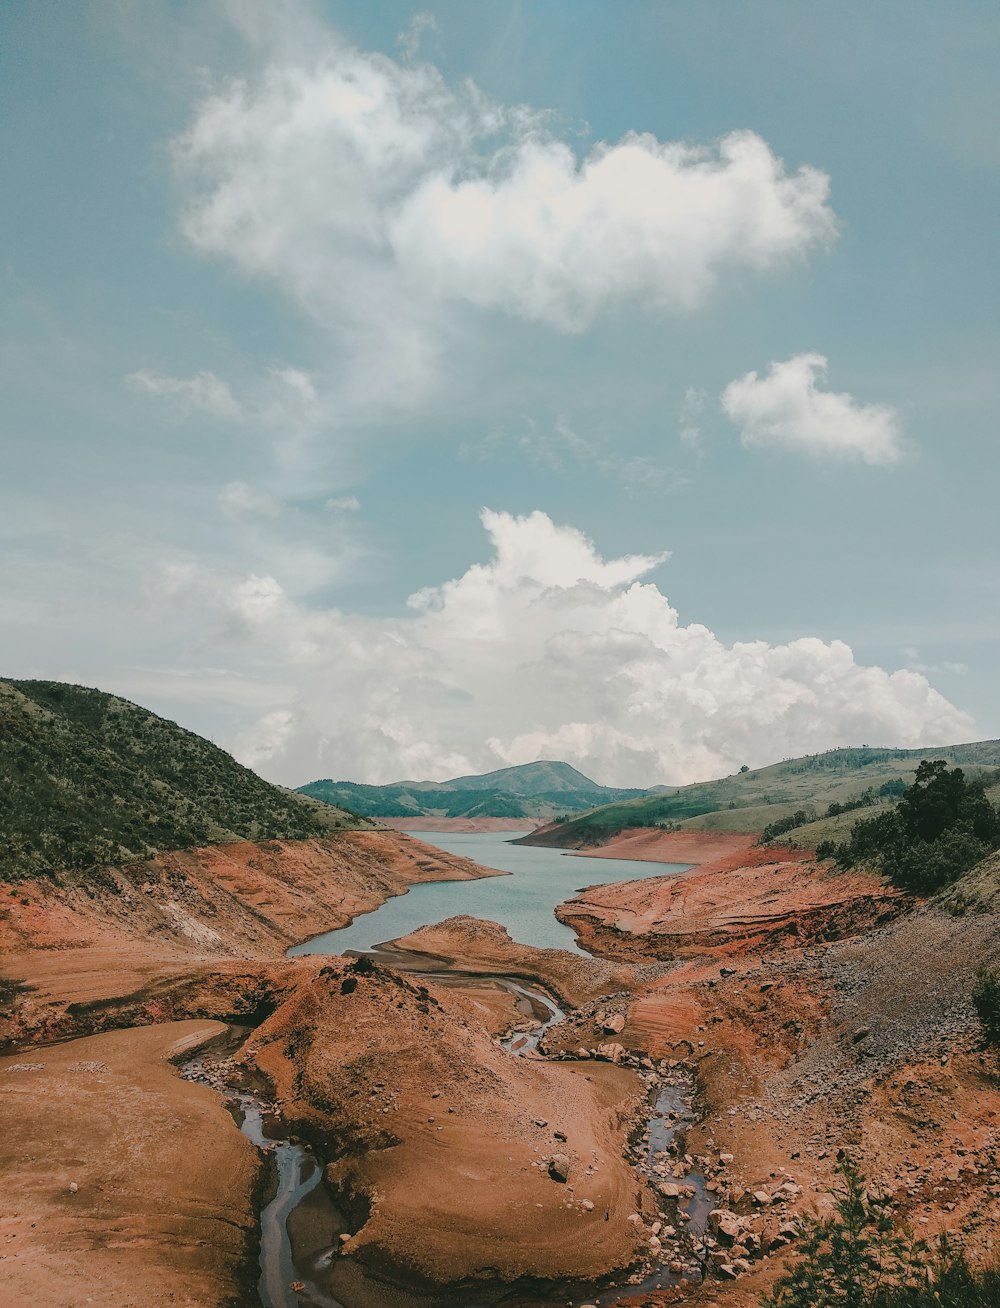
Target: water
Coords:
[(523, 902)]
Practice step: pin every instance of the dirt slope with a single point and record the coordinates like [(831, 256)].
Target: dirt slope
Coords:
[(162, 1213)]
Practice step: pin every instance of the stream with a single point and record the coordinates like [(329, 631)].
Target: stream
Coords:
[(301, 1225)]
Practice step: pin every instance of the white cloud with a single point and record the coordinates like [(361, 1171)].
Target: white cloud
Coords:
[(692, 408), (546, 650), (204, 391), (343, 504), (237, 499), (383, 201), (787, 410)]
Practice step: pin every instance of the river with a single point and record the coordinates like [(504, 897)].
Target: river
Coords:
[(300, 1224), (524, 902)]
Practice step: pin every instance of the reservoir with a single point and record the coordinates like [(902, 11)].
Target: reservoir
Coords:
[(524, 902)]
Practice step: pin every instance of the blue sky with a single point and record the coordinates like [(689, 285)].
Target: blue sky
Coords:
[(293, 292)]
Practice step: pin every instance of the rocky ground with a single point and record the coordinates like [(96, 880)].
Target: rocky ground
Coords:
[(804, 1010)]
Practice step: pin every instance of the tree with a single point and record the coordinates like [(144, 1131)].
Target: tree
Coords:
[(986, 1001), (850, 1259)]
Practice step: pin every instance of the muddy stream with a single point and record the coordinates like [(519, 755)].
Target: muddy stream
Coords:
[(300, 1225)]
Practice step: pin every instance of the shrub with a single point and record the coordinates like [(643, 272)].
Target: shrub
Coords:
[(986, 1001), (848, 1259)]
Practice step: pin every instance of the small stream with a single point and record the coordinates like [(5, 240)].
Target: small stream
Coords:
[(299, 1264), (299, 1267)]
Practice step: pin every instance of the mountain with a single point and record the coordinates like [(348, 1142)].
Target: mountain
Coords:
[(89, 778), (824, 791), (532, 790)]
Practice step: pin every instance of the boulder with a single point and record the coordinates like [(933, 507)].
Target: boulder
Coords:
[(559, 1167)]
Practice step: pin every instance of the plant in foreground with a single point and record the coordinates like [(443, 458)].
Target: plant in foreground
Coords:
[(860, 1258)]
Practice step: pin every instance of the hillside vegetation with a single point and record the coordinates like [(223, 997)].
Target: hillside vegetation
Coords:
[(88, 778), (803, 789), (531, 790)]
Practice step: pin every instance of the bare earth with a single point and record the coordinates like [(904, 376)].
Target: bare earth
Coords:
[(163, 1210), (817, 1010), (457, 824)]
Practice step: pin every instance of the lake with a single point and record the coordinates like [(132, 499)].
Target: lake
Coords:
[(523, 902)]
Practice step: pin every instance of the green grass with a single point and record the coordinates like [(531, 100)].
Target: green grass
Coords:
[(88, 778), (748, 802)]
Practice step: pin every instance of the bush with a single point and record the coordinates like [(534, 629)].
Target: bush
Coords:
[(942, 826), (848, 1258), (986, 1001), (858, 1258)]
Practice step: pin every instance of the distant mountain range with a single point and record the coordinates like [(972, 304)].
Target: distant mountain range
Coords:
[(532, 790), (87, 778)]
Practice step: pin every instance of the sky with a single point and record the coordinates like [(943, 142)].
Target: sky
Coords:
[(393, 392)]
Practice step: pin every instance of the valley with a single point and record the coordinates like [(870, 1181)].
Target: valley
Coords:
[(639, 1106)]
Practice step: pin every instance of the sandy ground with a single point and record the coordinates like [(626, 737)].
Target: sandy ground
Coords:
[(444, 1138), (163, 1211), (132, 934), (654, 846), (754, 898)]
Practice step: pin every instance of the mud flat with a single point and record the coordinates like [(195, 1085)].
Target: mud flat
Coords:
[(122, 1184)]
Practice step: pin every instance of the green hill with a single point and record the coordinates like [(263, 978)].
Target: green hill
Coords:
[(529, 791), (89, 778), (753, 800)]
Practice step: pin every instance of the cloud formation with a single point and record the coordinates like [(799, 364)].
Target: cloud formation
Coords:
[(203, 391), (385, 201), (544, 651), (788, 410)]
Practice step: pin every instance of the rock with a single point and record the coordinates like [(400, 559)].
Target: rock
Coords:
[(610, 1053), (587, 1205), (559, 1167), (724, 1222), (560, 1135), (541, 1121), (73, 1187), (671, 1190), (725, 1159), (860, 1034), (615, 1023), (728, 1271), (761, 1197), (727, 971)]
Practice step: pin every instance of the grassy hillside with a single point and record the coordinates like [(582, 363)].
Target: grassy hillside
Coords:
[(531, 791), (752, 800), (88, 778)]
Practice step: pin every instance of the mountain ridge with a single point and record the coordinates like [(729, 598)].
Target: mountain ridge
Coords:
[(539, 790)]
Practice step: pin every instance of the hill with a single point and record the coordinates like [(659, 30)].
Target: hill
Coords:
[(531, 790), (89, 778), (844, 779)]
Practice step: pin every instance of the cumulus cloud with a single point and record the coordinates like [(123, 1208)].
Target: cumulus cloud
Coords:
[(545, 650), (203, 391), (383, 200), (788, 410)]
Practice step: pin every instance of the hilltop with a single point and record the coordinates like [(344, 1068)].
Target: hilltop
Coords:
[(847, 780), (90, 778), (545, 789)]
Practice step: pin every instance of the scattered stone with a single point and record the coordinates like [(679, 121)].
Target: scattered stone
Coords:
[(559, 1167)]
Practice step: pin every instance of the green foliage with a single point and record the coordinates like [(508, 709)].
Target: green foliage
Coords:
[(946, 1281), (783, 825), (88, 778), (986, 1001), (860, 1258), (941, 828)]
